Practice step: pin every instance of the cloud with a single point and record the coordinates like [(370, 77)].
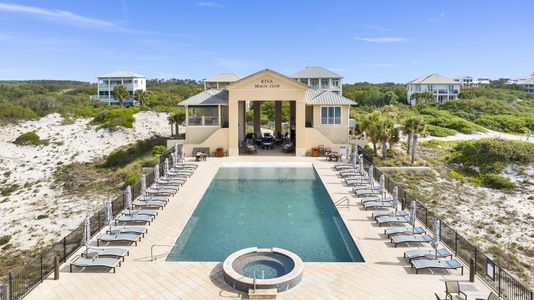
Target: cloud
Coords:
[(65, 17), (377, 28), (382, 39), (209, 4)]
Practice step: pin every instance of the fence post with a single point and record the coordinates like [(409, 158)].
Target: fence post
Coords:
[(41, 268), (472, 270), (10, 287), (65, 249), (56, 268)]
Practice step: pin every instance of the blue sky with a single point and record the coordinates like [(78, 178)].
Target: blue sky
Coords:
[(374, 41)]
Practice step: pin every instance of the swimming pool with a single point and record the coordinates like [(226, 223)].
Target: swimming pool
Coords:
[(286, 206)]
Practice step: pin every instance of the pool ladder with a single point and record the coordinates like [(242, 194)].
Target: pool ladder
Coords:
[(343, 199), (152, 250)]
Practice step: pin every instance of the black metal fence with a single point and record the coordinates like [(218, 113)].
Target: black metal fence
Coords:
[(504, 284), (20, 284)]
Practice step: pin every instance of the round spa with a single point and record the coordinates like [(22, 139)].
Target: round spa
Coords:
[(272, 268)]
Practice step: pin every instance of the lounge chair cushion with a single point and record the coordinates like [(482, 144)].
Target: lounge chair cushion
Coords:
[(436, 264)]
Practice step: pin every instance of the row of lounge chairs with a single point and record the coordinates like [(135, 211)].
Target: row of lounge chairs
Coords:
[(372, 197), (143, 211)]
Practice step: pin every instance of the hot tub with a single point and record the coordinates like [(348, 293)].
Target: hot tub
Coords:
[(262, 268)]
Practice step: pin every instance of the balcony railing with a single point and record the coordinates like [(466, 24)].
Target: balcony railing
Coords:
[(113, 85)]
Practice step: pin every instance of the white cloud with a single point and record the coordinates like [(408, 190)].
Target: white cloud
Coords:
[(382, 39), (65, 17), (209, 4), (377, 28)]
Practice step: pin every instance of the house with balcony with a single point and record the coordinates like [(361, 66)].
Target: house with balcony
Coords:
[(464, 80), (107, 83), (529, 85), (320, 78), (443, 88), (220, 81)]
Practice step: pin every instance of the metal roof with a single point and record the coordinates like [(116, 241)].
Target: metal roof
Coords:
[(323, 97), (433, 79), (315, 72), (223, 77), (210, 97), (121, 74)]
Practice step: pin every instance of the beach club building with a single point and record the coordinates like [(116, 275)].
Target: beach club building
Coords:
[(216, 118)]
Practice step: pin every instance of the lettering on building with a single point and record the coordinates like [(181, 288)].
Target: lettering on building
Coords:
[(266, 84)]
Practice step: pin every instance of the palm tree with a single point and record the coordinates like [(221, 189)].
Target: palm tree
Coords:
[(171, 122), (179, 119), (120, 93), (419, 129), (369, 126), (408, 129), (142, 97), (384, 131), (421, 99)]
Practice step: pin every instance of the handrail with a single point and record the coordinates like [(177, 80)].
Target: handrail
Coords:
[(152, 250), (344, 198)]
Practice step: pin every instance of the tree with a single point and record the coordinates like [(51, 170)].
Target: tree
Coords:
[(369, 126), (142, 97), (423, 98), (176, 119), (121, 93), (418, 127), (385, 131), (391, 97)]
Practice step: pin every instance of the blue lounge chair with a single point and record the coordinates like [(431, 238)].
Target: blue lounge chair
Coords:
[(404, 230), (141, 212), (105, 252), (128, 229), (410, 239), (149, 204), (391, 220), (387, 213), (436, 264), (121, 237), (105, 262), (420, 253), (133, 219)]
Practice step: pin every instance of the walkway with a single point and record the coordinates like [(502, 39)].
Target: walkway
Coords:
[(384, 275)]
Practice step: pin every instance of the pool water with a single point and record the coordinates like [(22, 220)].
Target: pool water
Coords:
[(284, 207), (263, 269)]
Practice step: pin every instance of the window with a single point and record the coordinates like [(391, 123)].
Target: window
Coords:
[(314, 83), (324, 83), (331, 115), (335, 83), (304, 80)]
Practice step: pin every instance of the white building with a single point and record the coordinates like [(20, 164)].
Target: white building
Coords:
[(464, 80), (444, 89), (220, 81), (107, 82), (320, 78)]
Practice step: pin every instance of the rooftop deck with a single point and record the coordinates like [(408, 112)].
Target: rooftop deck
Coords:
[(385, 274)]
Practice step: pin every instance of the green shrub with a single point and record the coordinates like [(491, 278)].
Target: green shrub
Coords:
[(497, 182), (116, 159), (440, 131), (40, 217), (4, 239), (28, 138), (455, 175), (158, 150), (132, 179), (9, 190), (115, 117)]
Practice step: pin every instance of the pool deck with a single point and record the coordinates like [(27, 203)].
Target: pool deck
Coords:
[(385, 274)]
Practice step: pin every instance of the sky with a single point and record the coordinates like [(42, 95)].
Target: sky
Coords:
[(374, 41)]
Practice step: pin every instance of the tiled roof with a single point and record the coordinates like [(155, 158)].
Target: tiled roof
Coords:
[(121, 74), (210, 97), (315, 72), (224, 77), (433, 79), (318, 97)]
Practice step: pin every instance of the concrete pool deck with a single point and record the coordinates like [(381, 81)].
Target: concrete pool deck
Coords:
[(385, 274)]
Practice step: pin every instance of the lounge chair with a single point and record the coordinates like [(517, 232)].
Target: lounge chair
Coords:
[(377, 204), (156, 191), (170, 187), (344, 166), (105, 252), (360, 193), (352, 173), (420, 253), (491, 296), (151, 204), (369, 199), (436, 264), (180, 173), (133, 219), (121, 237), (404, 230), (387, 213), (154, 198), (177, 181), (128, 229), (410, 239), (392, 220), (142, 212), (453, 291), (104, 262), (358, 181)]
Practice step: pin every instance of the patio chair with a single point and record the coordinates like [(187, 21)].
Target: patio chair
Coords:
[(103, 262), (154, 198), (377, 204), (420, 253), (128, 229), (491, 296), (133, 219), (392, 220), (142, 212), (404, 230), (174, 181), (121, 237), (359, 181), (387, 213), (410, 239), (321, 150), (160, 191), (105, 252), (453, 291), (436, 264), (149, 204)]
